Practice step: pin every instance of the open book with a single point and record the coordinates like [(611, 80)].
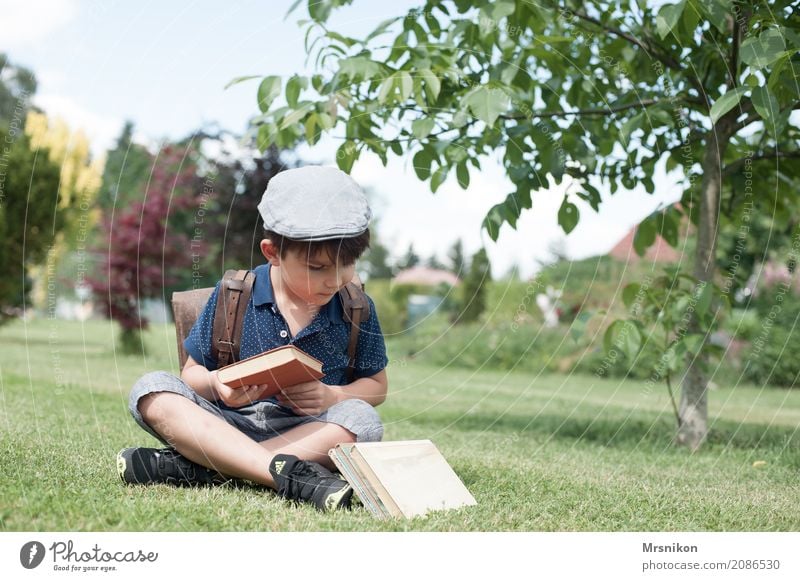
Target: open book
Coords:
[(400, 479), (280, 367)]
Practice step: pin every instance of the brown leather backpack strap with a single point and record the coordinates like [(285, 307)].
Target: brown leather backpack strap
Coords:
[(356, 310), (234, 294)]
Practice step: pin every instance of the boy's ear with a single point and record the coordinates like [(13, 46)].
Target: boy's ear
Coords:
[(270, 252)]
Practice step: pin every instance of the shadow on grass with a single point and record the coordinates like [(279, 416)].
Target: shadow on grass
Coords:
[(614, 430)]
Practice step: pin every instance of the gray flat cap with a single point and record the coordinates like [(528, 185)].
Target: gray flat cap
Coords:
[(314, 203)]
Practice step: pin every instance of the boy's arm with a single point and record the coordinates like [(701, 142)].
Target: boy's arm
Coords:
[(314, 397), (371, 389), (207, 385)]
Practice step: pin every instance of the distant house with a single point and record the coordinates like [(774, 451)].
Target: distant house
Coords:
[(660, 251), (420, 306), (426, 276)]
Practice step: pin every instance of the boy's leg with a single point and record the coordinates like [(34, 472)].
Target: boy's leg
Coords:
[(309, 441), (210, 441), (204, 438)]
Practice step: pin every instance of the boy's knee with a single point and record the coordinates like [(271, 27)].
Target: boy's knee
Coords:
[(148, 386), (361, 419)]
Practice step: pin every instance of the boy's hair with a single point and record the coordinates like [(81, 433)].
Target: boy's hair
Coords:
[(343, 251)]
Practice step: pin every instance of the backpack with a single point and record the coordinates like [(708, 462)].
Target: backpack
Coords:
[(235, 291)]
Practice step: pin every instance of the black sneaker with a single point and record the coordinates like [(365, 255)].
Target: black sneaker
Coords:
[(306, 481), (151, 466)]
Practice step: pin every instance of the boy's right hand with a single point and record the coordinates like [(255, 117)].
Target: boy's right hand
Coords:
[(235, 396)]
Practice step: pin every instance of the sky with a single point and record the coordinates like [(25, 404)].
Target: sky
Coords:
[(165, 65)]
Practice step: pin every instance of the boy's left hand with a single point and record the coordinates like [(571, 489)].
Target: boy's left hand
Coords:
[(308, 399)]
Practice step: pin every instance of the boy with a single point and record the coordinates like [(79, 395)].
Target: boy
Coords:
[(315, 221)]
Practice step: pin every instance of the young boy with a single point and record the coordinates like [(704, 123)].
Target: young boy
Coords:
[(315, 221)]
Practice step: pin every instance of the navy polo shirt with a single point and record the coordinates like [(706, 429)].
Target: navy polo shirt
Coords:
[(264, 328)]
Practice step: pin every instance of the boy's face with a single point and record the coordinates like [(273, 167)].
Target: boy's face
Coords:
[(309, 279)]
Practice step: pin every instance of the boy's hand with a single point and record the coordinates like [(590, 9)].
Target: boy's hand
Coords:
[(308, 399), (236, 396)]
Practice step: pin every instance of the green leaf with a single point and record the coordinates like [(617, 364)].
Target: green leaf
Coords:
[(493, 221), (630, 294), (438, 177), (238, 80), (578, 327), (668, 17), (486, 103), (293, 88), (320, 10), (266, 136), (727, 102), (296, 116), (694, 343), (645, 236), (406, 84), (346, 156), (359, 68), (312, 136), (703, 296), (432, 84), (422, 163), (766, 106), (623, 336), (763, 50), (387, 87), (568, 216), (462, 174), (717, 13), (421, 128), (269, 88), (629, 127), (381, 28), (499, 9), (669, 226)]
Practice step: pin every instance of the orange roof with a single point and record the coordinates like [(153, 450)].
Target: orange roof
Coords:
[(426, 275), (660, 251)]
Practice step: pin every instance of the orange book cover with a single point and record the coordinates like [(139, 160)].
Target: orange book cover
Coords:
[(280, 367)]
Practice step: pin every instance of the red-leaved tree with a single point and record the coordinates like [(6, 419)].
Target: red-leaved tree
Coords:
[(141, 250)]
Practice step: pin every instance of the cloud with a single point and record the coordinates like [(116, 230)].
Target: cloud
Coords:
[(102, 132), (32, 21)]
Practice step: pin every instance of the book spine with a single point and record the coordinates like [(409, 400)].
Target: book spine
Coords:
[(371, 478), (345, 467), (364, 482)]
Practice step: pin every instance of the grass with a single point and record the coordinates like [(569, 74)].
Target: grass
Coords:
[(546, 452)]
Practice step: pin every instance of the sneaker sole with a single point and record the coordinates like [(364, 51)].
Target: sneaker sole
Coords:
[(122, 467), (338, 499)]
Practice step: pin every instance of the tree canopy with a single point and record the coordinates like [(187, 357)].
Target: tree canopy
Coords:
[(588, 97)]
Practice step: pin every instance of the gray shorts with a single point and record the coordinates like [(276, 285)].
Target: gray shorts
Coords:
[(263, 419)]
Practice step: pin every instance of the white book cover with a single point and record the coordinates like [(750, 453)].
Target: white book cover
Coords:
[(416, 475)]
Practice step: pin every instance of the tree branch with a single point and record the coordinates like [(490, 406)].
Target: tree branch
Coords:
[(734, 165), (748, 106), (649, 49), (733, 65), (584, 112)]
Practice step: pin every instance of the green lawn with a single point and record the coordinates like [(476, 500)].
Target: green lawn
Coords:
[(537, 452)]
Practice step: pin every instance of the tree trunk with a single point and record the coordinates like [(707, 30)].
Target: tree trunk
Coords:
[(693, 412)]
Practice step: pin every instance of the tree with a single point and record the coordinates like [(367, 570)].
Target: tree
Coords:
[(577, 96), (458, 264), (473, 289), (126, 172), (410, 259), (29, 220), (34, 207), (142, 252), (77, 191), (233, 186), (17, 86), (376, 260)]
